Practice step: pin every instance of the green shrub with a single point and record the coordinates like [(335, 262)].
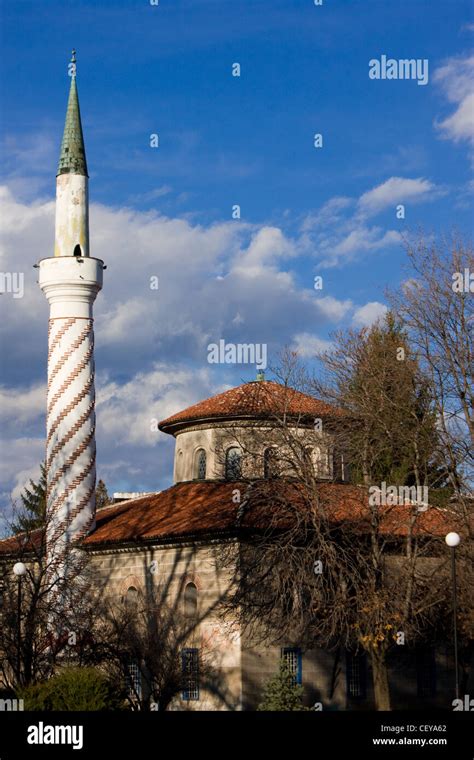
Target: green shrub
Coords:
[(73, 689), (281, 694)]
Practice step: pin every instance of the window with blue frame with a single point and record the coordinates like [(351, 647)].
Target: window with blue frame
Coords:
[(190, 674), (293, 658)]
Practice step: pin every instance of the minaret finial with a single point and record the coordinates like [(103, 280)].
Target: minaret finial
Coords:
[(73, 153), (72, 64)]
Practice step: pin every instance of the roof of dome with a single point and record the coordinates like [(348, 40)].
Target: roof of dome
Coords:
[(258, 399)]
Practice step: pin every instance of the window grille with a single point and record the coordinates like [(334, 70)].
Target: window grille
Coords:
[(134, 680), (356, 681), (190, 674), (292, 657)]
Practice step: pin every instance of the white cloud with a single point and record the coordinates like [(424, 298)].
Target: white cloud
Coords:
[(347, 241), (125, 410), (460, 125), (226, 280), (396, 190), (455, 78), (19, 462), (339, 232), (22, 406), (365, 316), (308, 345), (328, 214), (267, 246), (365, 239), (334, 309)]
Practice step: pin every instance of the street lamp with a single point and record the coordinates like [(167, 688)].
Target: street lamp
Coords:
[(452, 540), (19, 569)]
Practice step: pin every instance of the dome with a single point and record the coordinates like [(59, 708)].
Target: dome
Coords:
[(260, 399)]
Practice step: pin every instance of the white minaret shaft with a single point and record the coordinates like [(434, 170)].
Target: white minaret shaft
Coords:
[(70, 281)]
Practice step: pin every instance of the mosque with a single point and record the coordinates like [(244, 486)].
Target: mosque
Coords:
[(223, 446)]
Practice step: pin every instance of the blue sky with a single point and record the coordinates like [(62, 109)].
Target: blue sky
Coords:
[(224, 140)]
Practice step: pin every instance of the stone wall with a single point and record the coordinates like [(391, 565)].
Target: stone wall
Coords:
[(218, 642), (216, 438)]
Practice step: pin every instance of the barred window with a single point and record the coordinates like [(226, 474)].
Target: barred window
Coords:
[(356, 675), (190, 674), (134, 679), (293, 658), (233, 463), (179, 466), (200, 467)]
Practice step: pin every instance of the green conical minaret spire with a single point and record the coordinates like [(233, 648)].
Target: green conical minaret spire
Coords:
[(72, 159)]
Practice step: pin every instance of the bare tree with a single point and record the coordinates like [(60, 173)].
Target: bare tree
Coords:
[(436, 307), (46, 621), (321, 564)]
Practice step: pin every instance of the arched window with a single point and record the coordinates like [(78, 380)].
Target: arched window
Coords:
[(270, 463), (233, 463), (190, 601), (200, 465), (309, 456), (77, 250), (131, 597), (179, 465), (316, 454), (328, 461)]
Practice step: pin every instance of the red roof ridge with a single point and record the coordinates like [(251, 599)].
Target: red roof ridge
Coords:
[(199, 509)]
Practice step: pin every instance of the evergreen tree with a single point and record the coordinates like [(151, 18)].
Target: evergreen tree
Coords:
[(33, 503), (33, 500), (391, 433), (282, 694), (396, 407), (102, 498)]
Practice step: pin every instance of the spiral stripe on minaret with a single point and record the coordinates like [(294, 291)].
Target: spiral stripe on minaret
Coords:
[(70, 430)]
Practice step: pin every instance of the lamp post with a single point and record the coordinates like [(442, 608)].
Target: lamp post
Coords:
[(452, 540), (19, 569)]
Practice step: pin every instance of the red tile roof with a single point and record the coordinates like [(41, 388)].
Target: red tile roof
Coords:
[(260, 399), (203, 508)]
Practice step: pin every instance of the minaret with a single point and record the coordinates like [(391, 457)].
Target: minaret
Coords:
[(70, 281)]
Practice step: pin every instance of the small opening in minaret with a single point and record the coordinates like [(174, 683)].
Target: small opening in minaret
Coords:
[(77, 250)]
